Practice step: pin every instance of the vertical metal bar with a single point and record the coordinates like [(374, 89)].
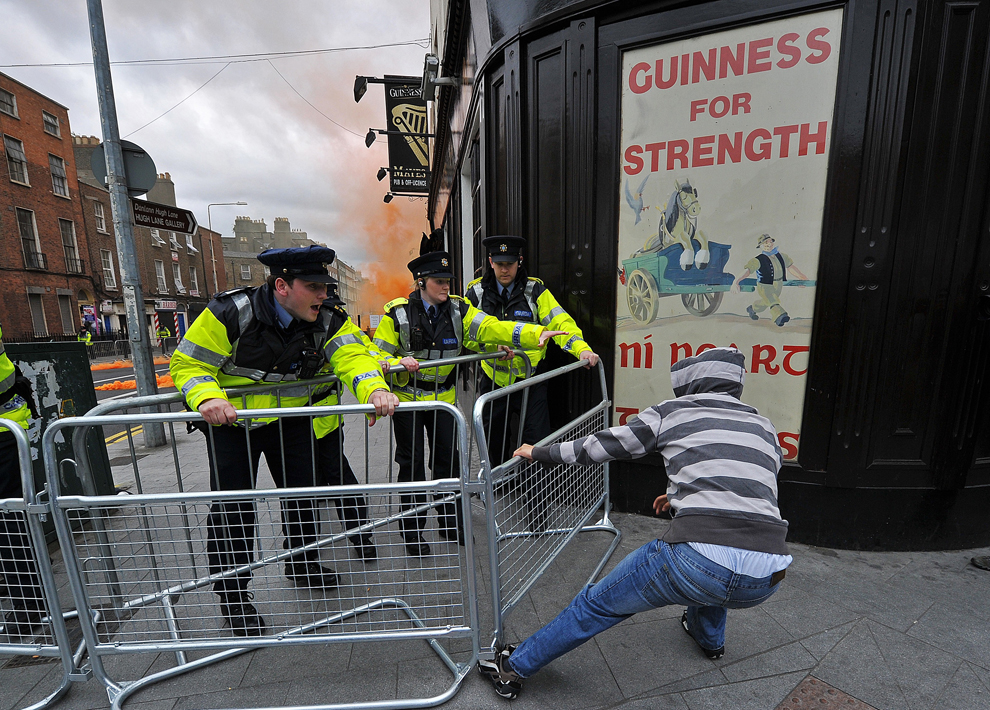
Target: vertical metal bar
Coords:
[(130, 275)]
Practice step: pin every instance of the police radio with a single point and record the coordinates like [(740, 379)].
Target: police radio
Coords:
[(312, 361), (416, 339)]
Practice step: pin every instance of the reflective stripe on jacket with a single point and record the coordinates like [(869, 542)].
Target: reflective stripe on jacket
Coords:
[(14, 407), (533, 303), (459, 320), (236, 341)]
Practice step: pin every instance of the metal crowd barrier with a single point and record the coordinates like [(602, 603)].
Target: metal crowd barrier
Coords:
[(29, 582), (535, 509), (139, 566)]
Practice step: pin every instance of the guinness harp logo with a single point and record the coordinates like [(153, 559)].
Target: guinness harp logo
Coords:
[(410, 118)]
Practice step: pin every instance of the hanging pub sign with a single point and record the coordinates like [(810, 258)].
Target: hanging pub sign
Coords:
[(723, 164), (408, 155)]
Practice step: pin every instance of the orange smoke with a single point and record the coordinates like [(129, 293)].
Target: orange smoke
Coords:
[(391, 236), (164, 381), (117, 364)]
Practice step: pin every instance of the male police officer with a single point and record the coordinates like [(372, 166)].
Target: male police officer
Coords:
[(509, 293), (432, 325), (163, 334), (16, 564), (277, 332)]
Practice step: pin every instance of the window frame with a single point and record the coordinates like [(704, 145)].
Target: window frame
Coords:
[(156, 240), (22, 160), (193, 280), (37, 240), (109, 275), (160, 274), (66, 247), (190, 247), (44, 123), (99, 214), (53, 166), (177, 277), (13, 102), (249, 275)]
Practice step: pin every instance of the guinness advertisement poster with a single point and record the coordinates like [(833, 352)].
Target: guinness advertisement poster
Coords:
[(723, 166), (408, 156)]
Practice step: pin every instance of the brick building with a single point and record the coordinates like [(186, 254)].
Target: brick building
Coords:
[(177, 270), (48, 279)]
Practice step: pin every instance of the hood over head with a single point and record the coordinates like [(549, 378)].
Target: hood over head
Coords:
[(715, 371)]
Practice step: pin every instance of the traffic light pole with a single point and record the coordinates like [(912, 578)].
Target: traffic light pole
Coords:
[(130, 274)]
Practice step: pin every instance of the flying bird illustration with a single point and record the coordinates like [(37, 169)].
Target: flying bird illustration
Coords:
[(635, 199)]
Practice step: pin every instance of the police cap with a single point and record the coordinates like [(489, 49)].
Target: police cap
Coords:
[(504, 248), (435, 264), (306, 263)]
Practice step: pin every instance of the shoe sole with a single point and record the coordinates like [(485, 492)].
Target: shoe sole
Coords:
[(499, 687)]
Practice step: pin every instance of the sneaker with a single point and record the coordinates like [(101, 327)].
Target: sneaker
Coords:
[(712, 654), (21, 621), (782, 318), (310, 574), (507, 682), (241, 615), (983, 562), (752, 313)]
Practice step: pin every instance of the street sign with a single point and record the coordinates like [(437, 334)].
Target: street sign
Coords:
[(156, 216), (138, 166)]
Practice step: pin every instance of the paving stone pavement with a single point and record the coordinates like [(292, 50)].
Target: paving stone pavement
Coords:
[(884, 630)]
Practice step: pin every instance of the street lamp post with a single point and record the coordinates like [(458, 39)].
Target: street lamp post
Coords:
[(209, 221)]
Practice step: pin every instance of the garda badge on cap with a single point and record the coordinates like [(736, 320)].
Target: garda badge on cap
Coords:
[(443, 262), (503, 248)]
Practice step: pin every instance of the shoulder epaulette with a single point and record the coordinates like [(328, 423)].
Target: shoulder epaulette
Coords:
[(454, 297), (232, 291), (396, 302), (539, 281), (472, 283)]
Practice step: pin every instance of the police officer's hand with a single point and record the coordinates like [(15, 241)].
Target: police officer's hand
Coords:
[(410, 363), (384, 365), (507, 353), (384, 402), (661, 505), (525, 451), (217, 411), (591, 357), (547, 334)]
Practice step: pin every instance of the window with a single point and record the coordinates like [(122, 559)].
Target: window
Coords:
[(177, 277), (37, 314), (51, 124), (65, 310), (101, 220), (16, 160), (160, 273), (173, 239), (60, 186), (156, 240), (109, 278), (30, 246), (189, 245), (245, 272), (193, 282), (73, 264), (8, 103)]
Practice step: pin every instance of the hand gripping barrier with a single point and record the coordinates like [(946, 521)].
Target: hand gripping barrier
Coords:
[(33, 622), (534, 510), (143, 568)]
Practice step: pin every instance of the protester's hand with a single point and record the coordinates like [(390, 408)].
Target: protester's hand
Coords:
[(507, 352), (661, 505), (525, 451), (217, 411), (591, 357), (547, 334), (384, 402), (410, 363)]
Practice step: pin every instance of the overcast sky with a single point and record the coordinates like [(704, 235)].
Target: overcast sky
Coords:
[(246, 135)]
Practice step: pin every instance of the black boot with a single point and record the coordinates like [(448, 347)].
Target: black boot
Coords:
[(241, 615)]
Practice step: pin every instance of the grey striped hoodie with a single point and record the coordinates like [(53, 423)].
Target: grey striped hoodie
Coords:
[(722, 457)]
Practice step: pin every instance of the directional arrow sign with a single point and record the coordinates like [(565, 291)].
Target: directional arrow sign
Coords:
[(156, 216)]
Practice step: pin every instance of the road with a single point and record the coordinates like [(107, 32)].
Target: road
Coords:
[(102, 377)]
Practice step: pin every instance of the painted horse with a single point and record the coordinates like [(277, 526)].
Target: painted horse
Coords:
[(679, 225)]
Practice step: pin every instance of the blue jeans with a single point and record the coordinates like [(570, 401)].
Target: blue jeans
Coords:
[(655, 575)]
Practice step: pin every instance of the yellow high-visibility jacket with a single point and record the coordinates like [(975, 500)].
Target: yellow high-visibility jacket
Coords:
[(324, 425), (406, 331), (237, 341), (14, 406), (529, 301)]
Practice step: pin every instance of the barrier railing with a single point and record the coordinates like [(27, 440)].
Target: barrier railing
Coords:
[(142, 566), (33, 621), (534, 510)]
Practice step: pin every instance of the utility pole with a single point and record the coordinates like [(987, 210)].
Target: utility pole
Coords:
[(130, 275)]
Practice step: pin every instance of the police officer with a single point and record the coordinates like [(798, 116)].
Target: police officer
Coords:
[(86, 336), (280, 331), (431, 325), (162, 334), (332, 466), (16, 562), (509, 293)]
